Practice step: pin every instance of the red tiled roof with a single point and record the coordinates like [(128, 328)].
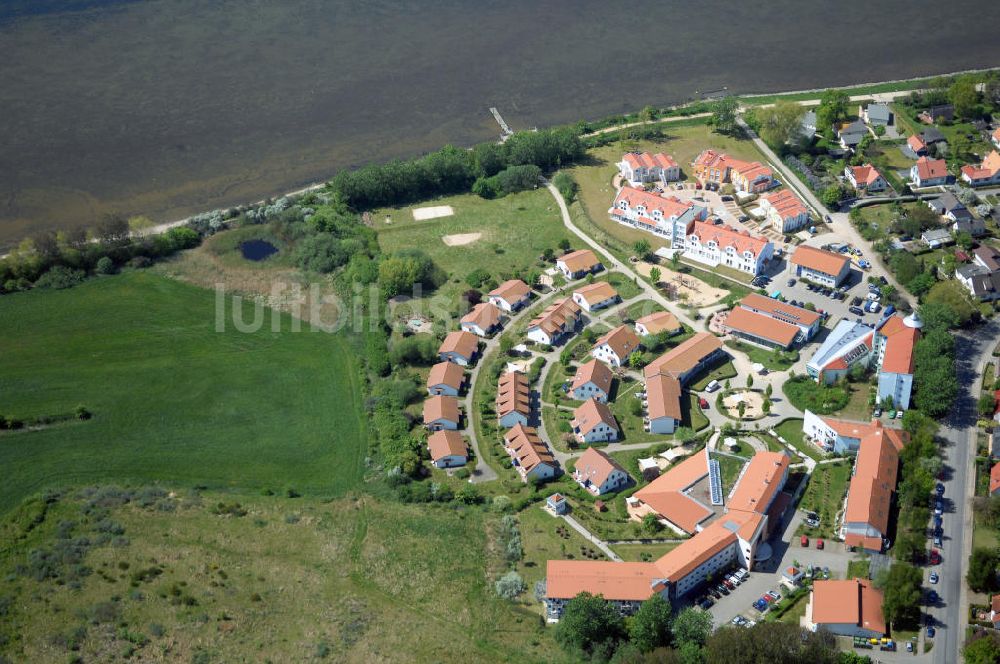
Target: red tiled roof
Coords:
[(995, 478), (724, 237), (786, 203), (669, 206), (819, 260), (663, 393), (597, 292), (441, 444), (446, 373), (622, 341), (761, 479), (916, 143), (665, 495), (525, 445), (899, 345), (685, 356), (556, 315), (646, 160), (596, 466), (513, 394), (565, 579), (484, 315), (441, 407), (848, 602), (760, 326), (661, 321), (579, 260), (592, 413), (875, 473), (929, 169), (595, 372), (866, 174), (511, 290), (778, 309), (461, 342)]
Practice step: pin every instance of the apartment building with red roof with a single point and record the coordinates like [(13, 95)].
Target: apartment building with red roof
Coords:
[(835, 435), (869, 495), (760, 330), (513, 403), (784, 211), (669, 497), (639, 168), (715, 245), (720, 168), (662, 402), (807, 322), (849, 607), (664, 216), (820, 266)]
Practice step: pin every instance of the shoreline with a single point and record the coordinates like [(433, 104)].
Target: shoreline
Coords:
[(162, 227)]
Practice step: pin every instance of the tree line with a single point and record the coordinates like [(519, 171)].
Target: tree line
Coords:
[(452, 170)]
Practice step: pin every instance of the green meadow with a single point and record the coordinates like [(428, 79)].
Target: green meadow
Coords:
[(173, 400)]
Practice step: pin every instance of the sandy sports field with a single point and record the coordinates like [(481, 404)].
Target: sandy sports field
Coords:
[(459, 239), (433, 212), (690, 289)]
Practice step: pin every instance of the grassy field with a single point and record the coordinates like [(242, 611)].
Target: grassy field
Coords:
[(274, 579), (643, 552), (825, 495), (805, 393), (791, 431), (173, 400), (546, 538), (514, 231), (720, 373), (779, 361), (730, 468)]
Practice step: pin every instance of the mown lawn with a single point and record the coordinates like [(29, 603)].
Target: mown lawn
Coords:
[(824, 496), (805, 393), (187, 584), (173, 400), (644, 552), (720, 373), (772, 361), (791, 431), (514, 232)]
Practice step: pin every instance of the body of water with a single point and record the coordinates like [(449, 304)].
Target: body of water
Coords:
[(168, 107), (257, 250)]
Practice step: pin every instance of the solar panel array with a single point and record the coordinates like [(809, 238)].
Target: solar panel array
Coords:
[(715, 481)]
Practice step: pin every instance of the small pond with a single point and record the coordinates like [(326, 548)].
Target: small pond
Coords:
[(257, 250)]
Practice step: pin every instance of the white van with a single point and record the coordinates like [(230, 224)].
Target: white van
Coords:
[(712, 386)]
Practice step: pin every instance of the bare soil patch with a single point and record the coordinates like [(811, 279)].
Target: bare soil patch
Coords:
[(433, 212), (460, 239)]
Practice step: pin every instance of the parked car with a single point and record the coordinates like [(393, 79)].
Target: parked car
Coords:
[(819, 544), (935, 557), (706, 603), (938, 507), (856, 302), (703, 403), (774, 595), (767, 598), (791, 282), (804, 541), (889, 310), (878, 412), (930, 632), (760, 605), (863, 264), (856, 311), (939, 489), (937, 540), (725, 198), (932, 597), (934, 577)]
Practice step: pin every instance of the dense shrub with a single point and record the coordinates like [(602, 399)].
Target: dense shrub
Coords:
[(59, 277)]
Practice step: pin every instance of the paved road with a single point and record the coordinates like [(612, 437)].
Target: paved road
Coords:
[(959, 431)]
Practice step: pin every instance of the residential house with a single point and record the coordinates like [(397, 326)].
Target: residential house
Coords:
[(987, 173), (664, 216), (441, 412), (513, 403), (869, 495), (995, 137), (483, 320), (936, 237), (658, 323), (738, 249), (593, 422), (971, 225), (929, 172), (917, 145), (849, 134), (849, 607), (819, 266), (995, 611), (447, 449), (687, 359), (876, 114), (531, 457), (948, 206), (937, 113), (932, 136), (446, 379), (638, 168), (995, 479), (595, 296), (592, 381), (982, 276), (599, 474), (784, 211), (865, 178), (460, 347), (578, 264), (510, 296), (555, 322), (616, 346), (662, 401)]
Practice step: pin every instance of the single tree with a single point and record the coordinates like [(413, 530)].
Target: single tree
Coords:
[(650, 627), (641, 248), (654, 275), (589, 623), (725, 114), (692, 626)]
